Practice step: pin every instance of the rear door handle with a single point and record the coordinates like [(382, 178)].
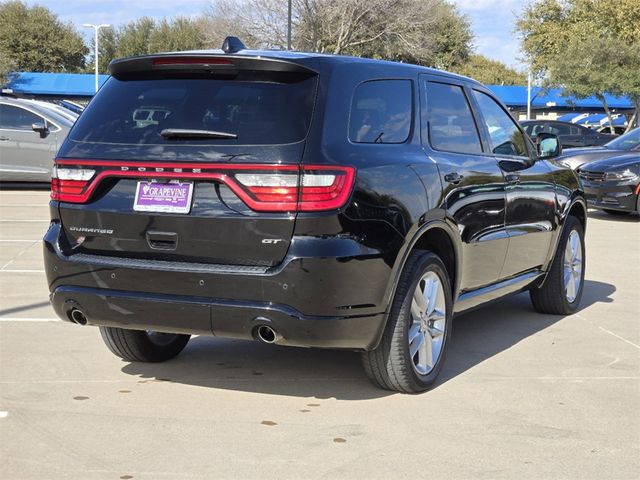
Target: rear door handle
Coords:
[(453, 177), (4, 139), (512, 178)]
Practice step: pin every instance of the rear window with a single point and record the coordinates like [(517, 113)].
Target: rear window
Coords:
[(381, 112), (136, 111)]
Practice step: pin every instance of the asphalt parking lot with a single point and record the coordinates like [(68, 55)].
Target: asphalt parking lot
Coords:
[(522, 395)]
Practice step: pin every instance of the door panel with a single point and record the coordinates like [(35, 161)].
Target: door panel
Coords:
[(530, 215), (530, 190), (473, 185), (24, 154), (477, 206)]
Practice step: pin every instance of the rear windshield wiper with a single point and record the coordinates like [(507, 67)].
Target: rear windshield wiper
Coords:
[(189, 133)]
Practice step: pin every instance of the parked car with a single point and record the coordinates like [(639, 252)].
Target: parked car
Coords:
[(613, 184), (30, 134), (570, 135), (309, 200), (627, 143)]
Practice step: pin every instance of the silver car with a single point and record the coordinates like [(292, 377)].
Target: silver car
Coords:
[(30, 133)]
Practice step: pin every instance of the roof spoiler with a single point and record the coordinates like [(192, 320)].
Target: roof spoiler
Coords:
[(204, 62)]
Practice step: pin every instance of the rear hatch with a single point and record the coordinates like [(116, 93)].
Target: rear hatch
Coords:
[(190, 159)]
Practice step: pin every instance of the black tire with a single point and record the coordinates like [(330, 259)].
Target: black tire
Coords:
[(615, 212), (551, 297), (140, 346), (389, 365)]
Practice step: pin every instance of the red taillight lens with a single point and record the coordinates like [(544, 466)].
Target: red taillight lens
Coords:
[(191, 61), (68, 184), (263, 188), (316, 188)]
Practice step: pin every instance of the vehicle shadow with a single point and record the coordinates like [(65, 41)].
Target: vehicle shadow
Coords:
[(600, 215), (254, 367)]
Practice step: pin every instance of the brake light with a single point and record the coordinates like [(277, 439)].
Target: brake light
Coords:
[(315, 188), (69, 182), (263, 188), (191, 61)]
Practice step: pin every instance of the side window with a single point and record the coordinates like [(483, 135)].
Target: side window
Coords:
[(16, 118), (576, 131), (559, 129), (447, 120), (506, 137), (381, 112)]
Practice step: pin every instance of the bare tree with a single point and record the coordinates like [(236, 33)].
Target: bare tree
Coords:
[(259, 23), (423, 31)]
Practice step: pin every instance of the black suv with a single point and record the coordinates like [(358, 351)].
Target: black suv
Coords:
[(307, 200)]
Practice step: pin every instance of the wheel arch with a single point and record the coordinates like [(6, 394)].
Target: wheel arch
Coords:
[(577, 208), (436, 236)]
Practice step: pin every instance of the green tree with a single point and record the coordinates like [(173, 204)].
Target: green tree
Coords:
[(34, 39), (587, 47), (145, 36), (6, 67), (108, 46), (135, 38), (177, 34), (490, 72)]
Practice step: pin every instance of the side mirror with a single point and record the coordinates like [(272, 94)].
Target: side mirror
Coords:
[(41, 128), (548, 145)]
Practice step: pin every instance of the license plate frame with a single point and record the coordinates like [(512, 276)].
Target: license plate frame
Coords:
[(157, 196)]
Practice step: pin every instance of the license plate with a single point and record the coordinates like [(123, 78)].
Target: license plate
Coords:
[(171, 197)]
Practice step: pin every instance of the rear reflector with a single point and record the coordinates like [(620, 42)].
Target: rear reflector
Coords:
[(263, 188)]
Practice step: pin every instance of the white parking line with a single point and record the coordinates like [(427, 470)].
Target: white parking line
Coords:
[(4, 414), (16, 319)]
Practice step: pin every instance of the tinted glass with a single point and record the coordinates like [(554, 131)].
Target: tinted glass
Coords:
[(506, 137), (17, 118), (449, 123), (560, 129), (628, 141), (381, 112), (533, 129), (259, 113)]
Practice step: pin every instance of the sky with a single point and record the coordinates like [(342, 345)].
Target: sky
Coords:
[(492, 21)]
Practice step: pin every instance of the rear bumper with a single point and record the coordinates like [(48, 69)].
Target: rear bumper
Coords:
[(610, 195), (327, 293)]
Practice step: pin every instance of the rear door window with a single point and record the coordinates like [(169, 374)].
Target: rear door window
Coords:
[(447, 120), (381, 112), (257, 112), (559, 129)]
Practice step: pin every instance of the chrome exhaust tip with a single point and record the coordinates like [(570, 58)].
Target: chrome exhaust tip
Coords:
[(76, 316), (267, 334)]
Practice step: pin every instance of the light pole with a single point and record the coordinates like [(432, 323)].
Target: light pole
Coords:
[(289, 26), (96, 28)]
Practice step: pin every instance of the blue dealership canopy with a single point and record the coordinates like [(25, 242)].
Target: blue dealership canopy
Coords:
[(68, 85), (554, 99)]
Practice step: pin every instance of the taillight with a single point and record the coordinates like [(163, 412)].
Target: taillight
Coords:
[(263, 188), (316, 188), (68, 184)]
